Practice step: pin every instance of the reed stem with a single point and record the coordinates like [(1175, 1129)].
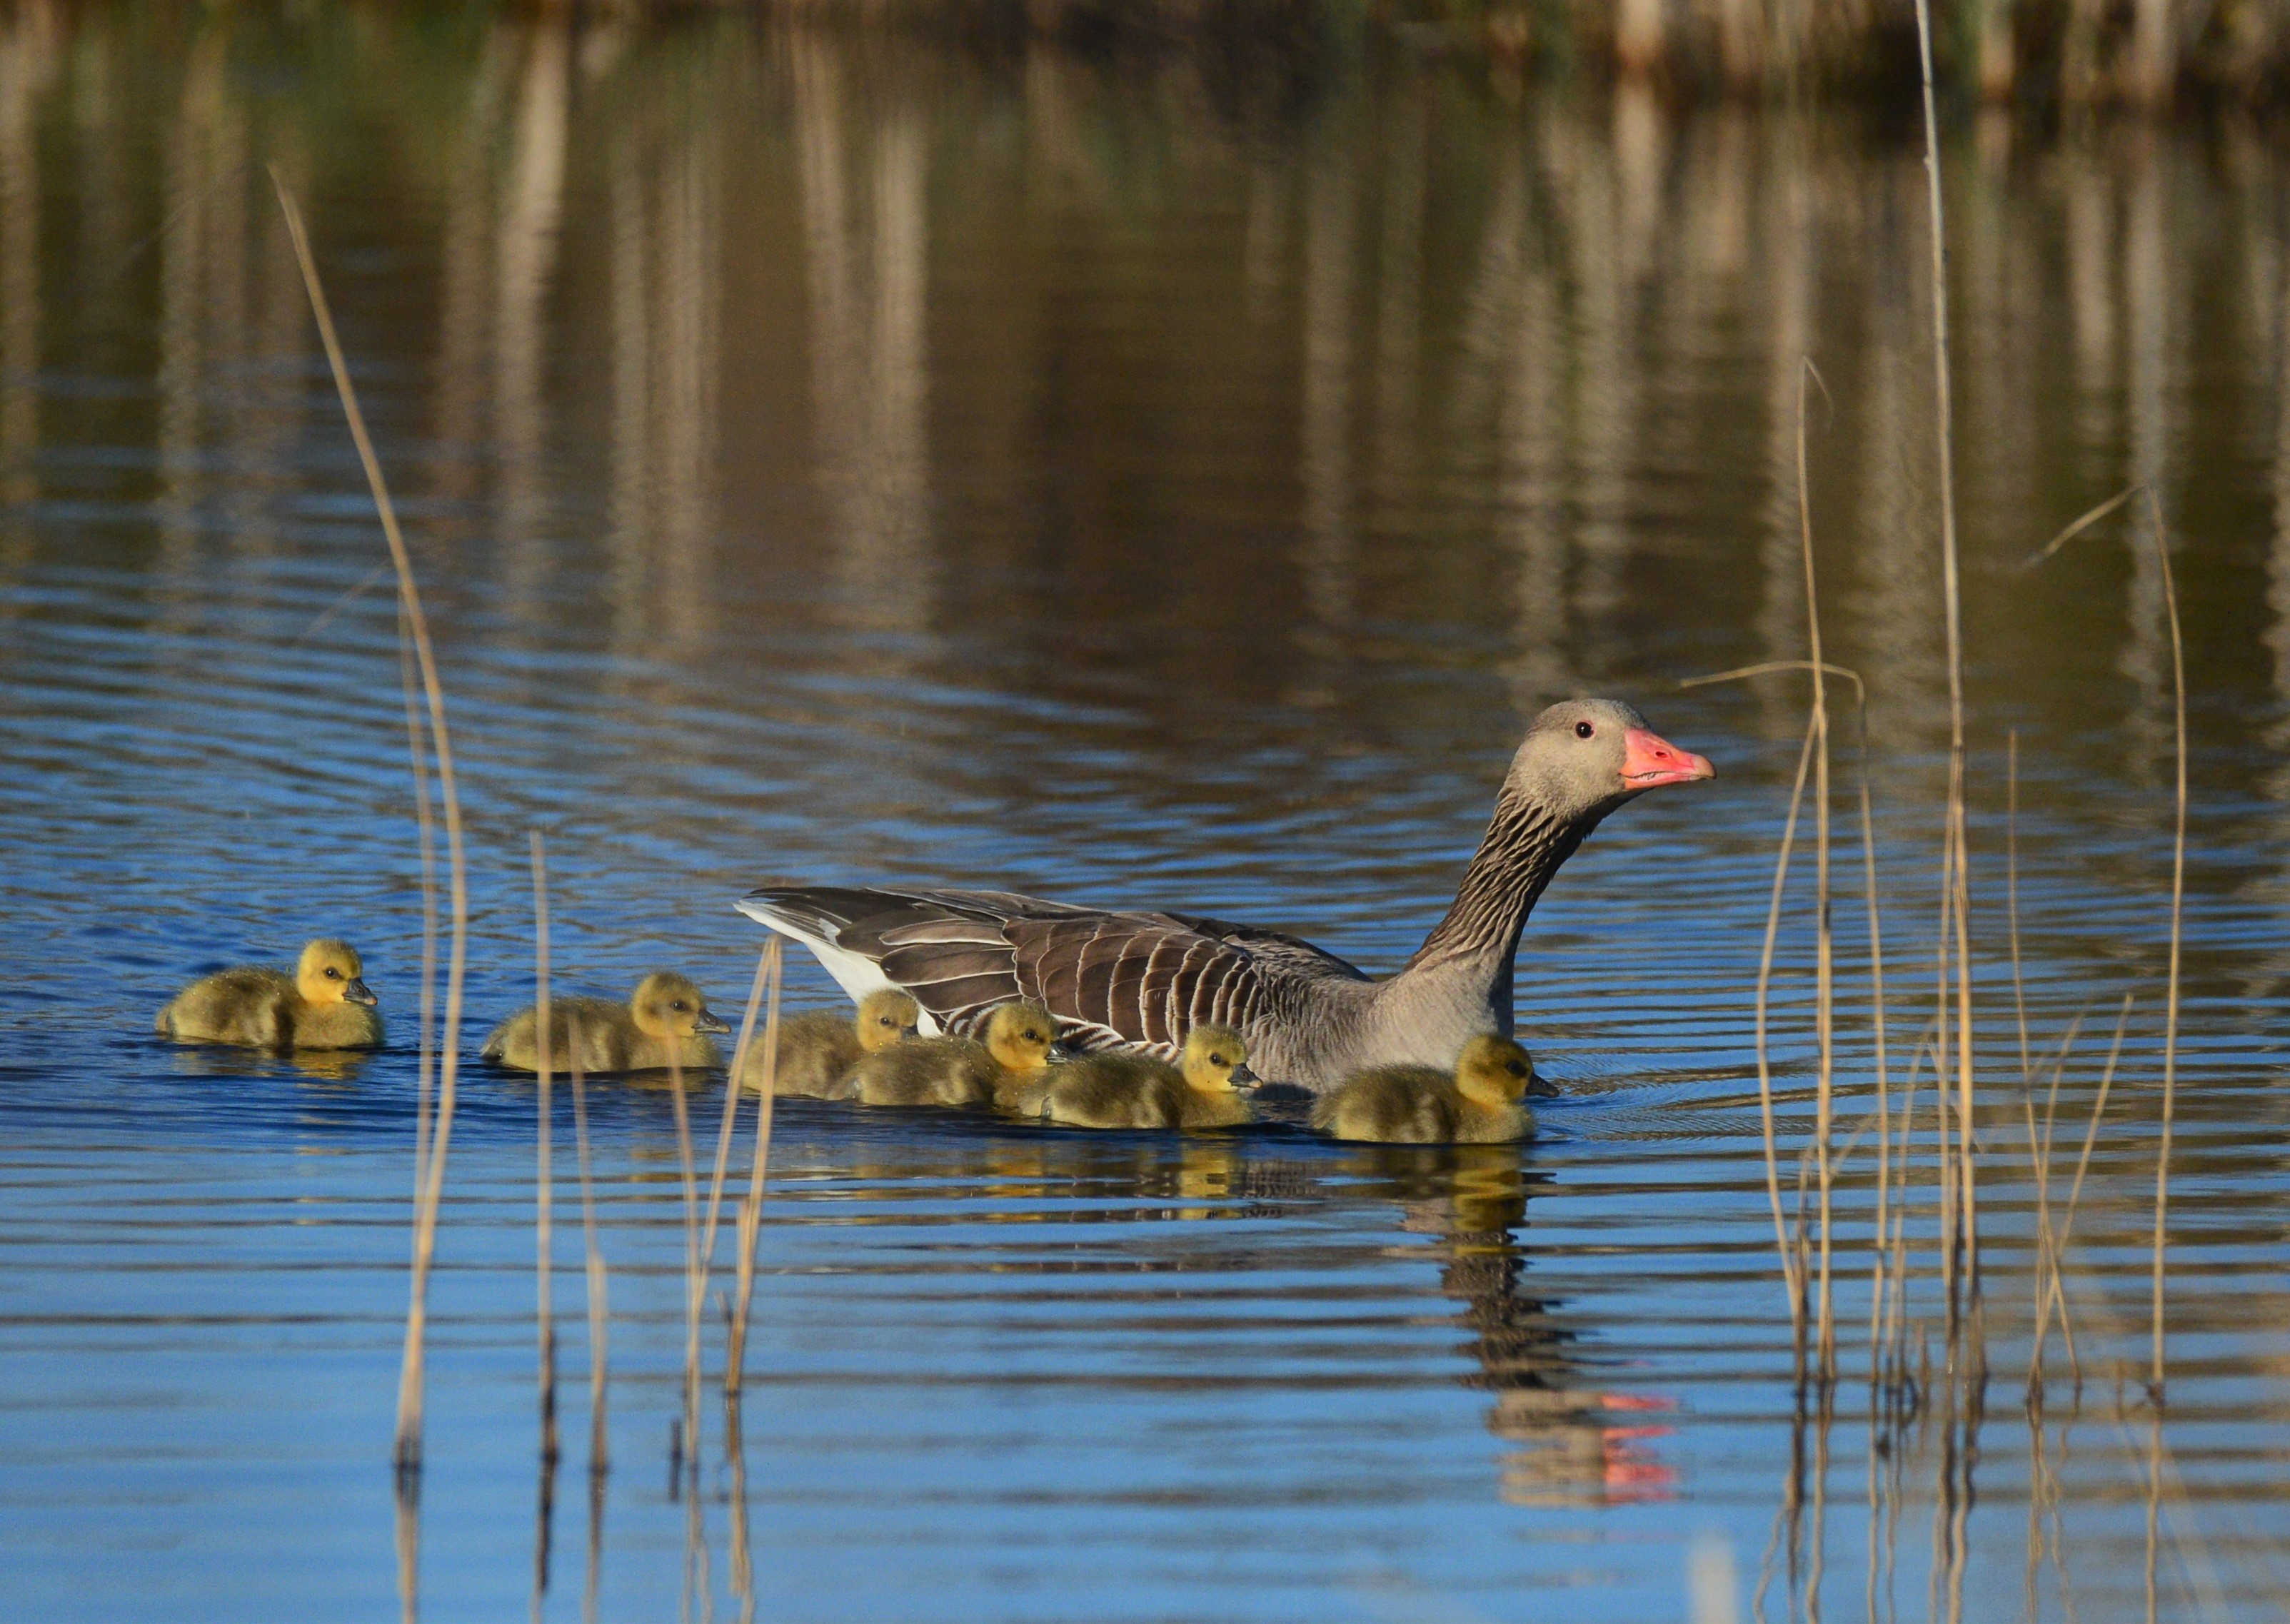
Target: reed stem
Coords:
[(408, 1448), (544, 1181), (751, 1210), (695, 1278), (1792, 1280), (598, 1284), (1957, 886), (2178, 899), (730, 1117), (1824, 958)]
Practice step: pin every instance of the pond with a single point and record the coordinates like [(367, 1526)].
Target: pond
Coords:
[(1154, 477)]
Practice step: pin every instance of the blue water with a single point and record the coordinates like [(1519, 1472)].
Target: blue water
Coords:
[(837, 458)]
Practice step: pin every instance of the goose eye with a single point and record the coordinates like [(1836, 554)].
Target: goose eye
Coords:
[(332, 974), (1583, 729), (679, 1004), (1218, 1059)]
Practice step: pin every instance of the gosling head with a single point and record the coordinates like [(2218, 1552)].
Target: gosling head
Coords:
[(886, 1016), (1211, 1056), (666, 1004), (331, 972), (1584, 758), (1494, 1071), (1019, 1037)]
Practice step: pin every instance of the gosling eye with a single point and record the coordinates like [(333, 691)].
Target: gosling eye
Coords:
[(1032, 1036), (1218, 1059), (332, 974), (1516, 1069), (1583, 729), (679, 1004)]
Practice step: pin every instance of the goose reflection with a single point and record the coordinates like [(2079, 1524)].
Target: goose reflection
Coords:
[(1569, 1444)]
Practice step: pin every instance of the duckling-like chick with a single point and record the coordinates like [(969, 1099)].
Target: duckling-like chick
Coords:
[(959, 1070), (663, 1024), (817, 1050), (324, 1004), (1140, 1091), (1415, 1105)]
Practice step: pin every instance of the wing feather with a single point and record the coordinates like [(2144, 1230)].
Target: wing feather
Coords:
[(1113, 979)]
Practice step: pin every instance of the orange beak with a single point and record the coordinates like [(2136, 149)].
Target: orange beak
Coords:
[(1648, 759)]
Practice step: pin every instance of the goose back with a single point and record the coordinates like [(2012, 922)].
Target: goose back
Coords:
[(1113, 981)]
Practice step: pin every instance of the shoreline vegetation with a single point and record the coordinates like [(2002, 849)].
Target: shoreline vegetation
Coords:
[(2064, 56)]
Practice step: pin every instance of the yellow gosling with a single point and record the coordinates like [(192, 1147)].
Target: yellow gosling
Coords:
[(1140, 1091), (664, 1022), (1415, 1105), (959, 1070), (324, 1004), (817, 1050)]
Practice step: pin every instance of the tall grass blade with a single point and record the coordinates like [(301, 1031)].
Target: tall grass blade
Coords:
[(2178, 902), (751, 1210), (408, 1448), (544, 1179), (1957, 886)]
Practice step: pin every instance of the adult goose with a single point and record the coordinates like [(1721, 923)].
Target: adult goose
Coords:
[(1141, 980)]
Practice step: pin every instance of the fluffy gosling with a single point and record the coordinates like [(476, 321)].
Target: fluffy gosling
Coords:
[(664, 1023), (1415, 1105), (1140, 1090), (817, 1050), (959, 1070), (324, 1004)]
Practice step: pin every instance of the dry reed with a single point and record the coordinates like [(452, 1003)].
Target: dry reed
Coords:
[(544, 1183), (695, 1278), (1824, 952), (2066, 1229), (1955, 883), (730, 1113), (408, 1444), (598, 1284), (751, 1210), (2158, 1268)]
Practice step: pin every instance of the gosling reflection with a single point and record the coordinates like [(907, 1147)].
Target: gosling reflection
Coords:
[(1567, 1448), (329, 1066)]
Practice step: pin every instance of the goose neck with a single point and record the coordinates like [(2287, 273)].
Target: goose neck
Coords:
[(1525, 845)]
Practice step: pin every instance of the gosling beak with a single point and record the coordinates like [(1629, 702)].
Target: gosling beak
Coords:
[(1242, 1077), (359, 992), (1059, 1054), (708, 1021), (1648, 759), (907, 1033)]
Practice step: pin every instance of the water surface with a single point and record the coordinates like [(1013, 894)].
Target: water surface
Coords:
[(1155, 480)]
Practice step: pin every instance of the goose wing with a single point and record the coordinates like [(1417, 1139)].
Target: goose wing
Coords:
[(1114, 979)]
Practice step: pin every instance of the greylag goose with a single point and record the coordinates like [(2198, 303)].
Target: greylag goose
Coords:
[(664, 1024), (324, 1004), (1114, 1090), (817, 1050), (959, 1070), (1141, 980), (1416, 1104)]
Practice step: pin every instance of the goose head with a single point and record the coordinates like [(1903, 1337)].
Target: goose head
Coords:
[(1582, 758), (1494, 1071), (1019, 1035), (1212, 1054), (886, 1016), (331, 972), (666, 1004)]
